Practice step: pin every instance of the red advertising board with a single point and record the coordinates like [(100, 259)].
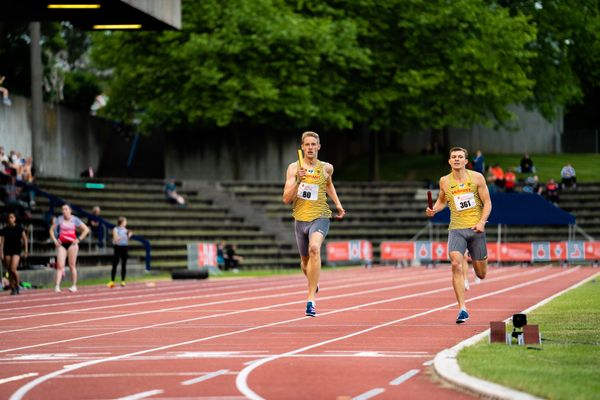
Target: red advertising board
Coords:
[(350, 250), (397, 250), (207, 255)]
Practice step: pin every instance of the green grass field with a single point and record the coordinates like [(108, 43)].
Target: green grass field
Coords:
[(566, 365), (401, 167)]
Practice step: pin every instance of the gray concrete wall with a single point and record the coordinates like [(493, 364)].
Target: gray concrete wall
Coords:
[(533, 134), (72, 141)]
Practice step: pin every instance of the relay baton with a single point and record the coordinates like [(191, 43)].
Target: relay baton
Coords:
[(300, 158), (429, 200)]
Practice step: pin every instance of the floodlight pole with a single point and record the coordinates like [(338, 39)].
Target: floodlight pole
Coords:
[(37, 96)]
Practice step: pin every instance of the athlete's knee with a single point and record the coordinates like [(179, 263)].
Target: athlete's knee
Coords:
[(314, 250), (480, 268), (456, 265)]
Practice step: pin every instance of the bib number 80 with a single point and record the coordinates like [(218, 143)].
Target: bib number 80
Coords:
[(306, 195)]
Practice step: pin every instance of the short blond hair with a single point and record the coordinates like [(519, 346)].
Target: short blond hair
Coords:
[(310, 134)]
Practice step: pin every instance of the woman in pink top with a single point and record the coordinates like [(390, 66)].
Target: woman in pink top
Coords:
[(67, 244)]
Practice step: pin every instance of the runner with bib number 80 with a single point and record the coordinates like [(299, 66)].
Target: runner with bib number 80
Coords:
[(467, 195), (307, 185)]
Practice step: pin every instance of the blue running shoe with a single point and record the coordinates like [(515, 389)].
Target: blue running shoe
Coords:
[(310, 309), (463, 316)]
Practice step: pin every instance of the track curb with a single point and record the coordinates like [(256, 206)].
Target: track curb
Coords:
[(446, 366)]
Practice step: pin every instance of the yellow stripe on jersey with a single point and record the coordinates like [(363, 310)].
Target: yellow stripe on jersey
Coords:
[(310, 202), (463, 200)]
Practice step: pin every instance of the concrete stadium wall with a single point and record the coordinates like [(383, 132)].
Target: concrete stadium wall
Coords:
[(534, 135), (72, 140)]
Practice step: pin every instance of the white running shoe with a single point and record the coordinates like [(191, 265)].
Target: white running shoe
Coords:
[(467, 287), (477, 280), (57, 289), (73, 288)]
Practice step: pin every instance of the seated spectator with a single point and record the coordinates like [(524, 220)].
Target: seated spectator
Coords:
[(532, 185), (526, 166), (28, 170), (568, 176), (510, 181), (232, 259), (88, 172), (12, 197), (498, 175), (171, 194), (96, 228), (479, 162), (5, 99), (551, 191), (221, 254)]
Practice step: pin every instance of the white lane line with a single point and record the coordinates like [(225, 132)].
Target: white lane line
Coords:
[(170, 299), (236, 312), (142, 395), (22, 391), (361, 282), (369, 394), (18, 377), (242, 378), (205, 377), (428, 363), (404, 377)]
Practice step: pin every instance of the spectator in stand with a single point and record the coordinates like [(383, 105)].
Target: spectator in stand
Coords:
[(232, 259), (479, 162), (5, 99), (13, 198), (120, 239), (526, 166), (510, 181), (28, 170), (3, 157), (13, 242), (498, 175), (88, 173), (221, 255), (171, 194), (567, 175), (532, 185), (96, 227), (552, 191)]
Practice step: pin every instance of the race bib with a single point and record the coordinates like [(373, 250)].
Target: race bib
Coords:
[(308, 191), (464, 201)]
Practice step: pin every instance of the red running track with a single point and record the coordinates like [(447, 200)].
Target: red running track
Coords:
[(375, 335)]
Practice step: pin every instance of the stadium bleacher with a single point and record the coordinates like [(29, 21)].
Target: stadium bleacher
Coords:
[(375, 211)]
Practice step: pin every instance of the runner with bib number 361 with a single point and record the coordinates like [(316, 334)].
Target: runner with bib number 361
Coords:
[(307, 185), (467, 195)]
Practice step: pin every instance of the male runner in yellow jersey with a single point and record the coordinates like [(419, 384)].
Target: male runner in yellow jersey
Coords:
[(307, 188), (467, 195)]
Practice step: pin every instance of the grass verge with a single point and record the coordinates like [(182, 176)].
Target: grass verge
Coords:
[(565, 366)]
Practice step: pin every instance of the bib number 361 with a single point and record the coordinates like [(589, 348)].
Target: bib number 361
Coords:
[(464, 201)]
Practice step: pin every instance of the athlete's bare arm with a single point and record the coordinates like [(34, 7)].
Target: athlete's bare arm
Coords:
[(484, 196), (440, 203), (331, 192), (291, 183)]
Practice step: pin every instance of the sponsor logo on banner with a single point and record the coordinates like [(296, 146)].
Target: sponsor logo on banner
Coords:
[(575, 251), (558, 251), (423, 250), (354, 250), (337, 251), (440, 251), (367, 250), (397, 250), (207, 255), (540, 251), (515, 252), (592, 251)]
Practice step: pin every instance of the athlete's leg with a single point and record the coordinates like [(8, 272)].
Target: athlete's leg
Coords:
[(14, 264), (313, 268), (61, 256), (72, 255), (480, 267), (465, 271), (458, 281)]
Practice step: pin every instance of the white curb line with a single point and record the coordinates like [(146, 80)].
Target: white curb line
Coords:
[(446, 366)]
